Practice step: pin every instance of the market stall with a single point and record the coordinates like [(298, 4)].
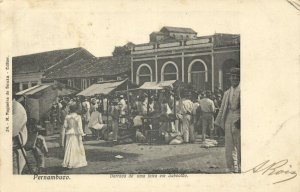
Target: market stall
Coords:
[(108, 92), (152, 121), (38, 100)]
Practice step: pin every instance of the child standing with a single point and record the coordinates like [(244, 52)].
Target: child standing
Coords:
[(40, 150)]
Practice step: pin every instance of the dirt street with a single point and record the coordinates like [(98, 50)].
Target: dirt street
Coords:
[(138, 158)]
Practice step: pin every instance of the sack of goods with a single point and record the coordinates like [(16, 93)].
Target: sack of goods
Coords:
[(209, 143)]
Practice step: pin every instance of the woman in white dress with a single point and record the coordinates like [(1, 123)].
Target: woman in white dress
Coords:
[(74, 150)]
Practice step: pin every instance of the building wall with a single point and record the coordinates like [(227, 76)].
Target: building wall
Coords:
[(85, 82), (213, 61), (34, 108), (182, 64), (29, 79)]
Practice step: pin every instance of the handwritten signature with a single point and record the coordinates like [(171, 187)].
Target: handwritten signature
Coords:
[(273, 169)]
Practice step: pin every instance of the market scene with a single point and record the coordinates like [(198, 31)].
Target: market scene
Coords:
[(171, 105)]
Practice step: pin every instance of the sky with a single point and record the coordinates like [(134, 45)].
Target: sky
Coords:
[(99, 26)]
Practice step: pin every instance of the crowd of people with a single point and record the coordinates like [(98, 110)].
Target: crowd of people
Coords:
[(170, 116), (99, 113)]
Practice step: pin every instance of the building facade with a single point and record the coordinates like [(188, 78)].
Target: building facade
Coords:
[(82, 73), (178, 54)]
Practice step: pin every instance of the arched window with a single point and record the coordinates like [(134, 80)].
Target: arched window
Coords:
[(197, 74), (144, 74), (169, 71)]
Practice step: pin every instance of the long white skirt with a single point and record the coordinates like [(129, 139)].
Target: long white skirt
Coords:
[(74, 152)]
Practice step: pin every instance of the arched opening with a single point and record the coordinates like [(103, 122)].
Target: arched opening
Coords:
[(198, 74), (169, 71), (144, 74), (227, 65)]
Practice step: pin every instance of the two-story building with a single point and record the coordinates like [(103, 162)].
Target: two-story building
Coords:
[(179, 54)]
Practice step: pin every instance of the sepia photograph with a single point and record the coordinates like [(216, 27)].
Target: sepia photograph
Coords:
[(190, 95), (166, 101), (169, 105)]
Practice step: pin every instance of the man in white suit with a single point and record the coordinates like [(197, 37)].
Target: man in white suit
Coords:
[(229, 119)]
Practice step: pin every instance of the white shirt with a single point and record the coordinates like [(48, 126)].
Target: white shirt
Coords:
[(123, 103), (186, 106), (234, 98), (207, 105)]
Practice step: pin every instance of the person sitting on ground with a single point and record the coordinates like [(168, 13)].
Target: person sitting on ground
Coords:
[(96, 123)]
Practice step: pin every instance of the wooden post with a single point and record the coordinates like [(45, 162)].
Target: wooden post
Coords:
[(148, 105), (128, 100), (102, 104), (107, 111), (174, 102)]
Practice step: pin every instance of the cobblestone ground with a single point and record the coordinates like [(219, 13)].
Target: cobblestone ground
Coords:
[(138, 158)]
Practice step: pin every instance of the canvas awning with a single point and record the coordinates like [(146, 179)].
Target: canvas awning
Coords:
[(157, 86), (62, 89), (104, 88), (33, 90)]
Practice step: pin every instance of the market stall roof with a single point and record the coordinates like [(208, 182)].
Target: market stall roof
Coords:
[(156, 86), (34, 89), (63, 89), (104, 88)]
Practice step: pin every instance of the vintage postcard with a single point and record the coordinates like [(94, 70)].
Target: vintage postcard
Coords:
[(150, 95)]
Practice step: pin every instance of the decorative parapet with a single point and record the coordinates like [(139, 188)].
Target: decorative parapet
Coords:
[(142, 48), (206, 42), (198, 41), (173, 44)]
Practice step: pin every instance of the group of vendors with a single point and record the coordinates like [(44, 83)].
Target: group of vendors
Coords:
[(174, 116)]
